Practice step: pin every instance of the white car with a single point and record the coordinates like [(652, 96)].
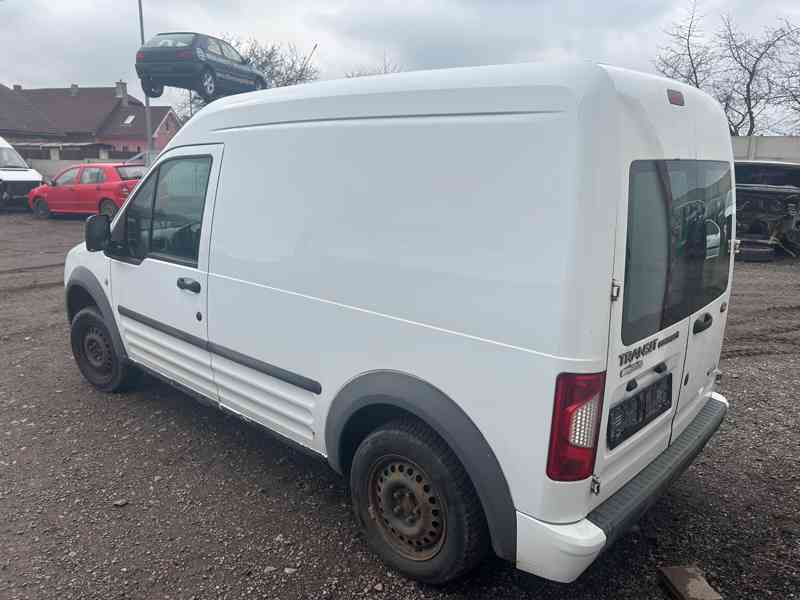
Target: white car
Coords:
[(465, 289), (16, 178)]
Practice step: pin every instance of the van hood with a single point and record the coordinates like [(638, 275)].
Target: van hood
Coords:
[(12, 174)]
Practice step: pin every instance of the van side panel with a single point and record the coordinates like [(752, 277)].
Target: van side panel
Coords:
[(437, 246)]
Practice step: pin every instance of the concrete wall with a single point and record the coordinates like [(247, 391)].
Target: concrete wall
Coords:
[(767, 148)]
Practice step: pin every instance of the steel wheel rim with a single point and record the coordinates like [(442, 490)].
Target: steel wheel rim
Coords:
[(97, 350), (208, 83), (409, 510)]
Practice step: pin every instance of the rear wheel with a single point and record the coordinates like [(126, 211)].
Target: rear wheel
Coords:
[(419, 510), (108, 208), (41, 210), (260, 84), (152, 90), (94, 352)]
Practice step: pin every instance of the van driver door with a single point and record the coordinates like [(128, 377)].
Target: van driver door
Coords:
[(159, 267)]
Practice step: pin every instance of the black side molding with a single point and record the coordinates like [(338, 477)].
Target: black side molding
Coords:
[(310, 385), (619, 512)]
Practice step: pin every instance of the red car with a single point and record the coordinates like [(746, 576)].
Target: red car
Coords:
[(87, 188)]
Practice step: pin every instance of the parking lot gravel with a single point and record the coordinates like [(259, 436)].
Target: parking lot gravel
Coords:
[(151, 495)]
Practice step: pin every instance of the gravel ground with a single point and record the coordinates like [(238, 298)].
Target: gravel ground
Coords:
[(151, 495)]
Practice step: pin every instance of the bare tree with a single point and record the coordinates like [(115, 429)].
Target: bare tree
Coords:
[(688, 56), (387, 66), (742, 71), (281, 65), (748, 85), (789, 82)]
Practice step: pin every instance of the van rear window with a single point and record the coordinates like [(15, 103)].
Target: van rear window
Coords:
[(678, 255)]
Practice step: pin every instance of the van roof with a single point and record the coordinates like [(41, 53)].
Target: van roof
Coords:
[(527, 88)]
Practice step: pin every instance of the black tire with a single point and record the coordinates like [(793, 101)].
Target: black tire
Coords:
[(107, 207), (94, 352), (260, 84), (416, 504), (207, 85), (152, 90), (41, 210)]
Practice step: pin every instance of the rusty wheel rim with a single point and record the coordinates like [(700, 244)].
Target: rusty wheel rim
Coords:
[(408, 509)]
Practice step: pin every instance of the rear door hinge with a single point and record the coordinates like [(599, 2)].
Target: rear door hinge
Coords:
[(595, 487), (616, 287)]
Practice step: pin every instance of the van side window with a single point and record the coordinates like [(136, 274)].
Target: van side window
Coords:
[(178, 208), (138, 217)]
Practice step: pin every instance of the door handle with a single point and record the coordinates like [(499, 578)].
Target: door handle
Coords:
[(184, 283), (703, 323)]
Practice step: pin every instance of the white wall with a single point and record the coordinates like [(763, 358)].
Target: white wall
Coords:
[(767, 147)]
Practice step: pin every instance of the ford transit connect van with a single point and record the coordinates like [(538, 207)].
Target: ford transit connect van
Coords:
[(494, 298)]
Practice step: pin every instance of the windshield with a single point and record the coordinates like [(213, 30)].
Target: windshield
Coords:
[(131, 172), (678, 255), (10, 158), (171, 40)]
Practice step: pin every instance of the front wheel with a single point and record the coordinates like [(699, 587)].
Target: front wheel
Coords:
[(416, 503), (94, 352)]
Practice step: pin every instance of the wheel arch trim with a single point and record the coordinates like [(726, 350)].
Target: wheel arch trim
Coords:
[(438, 411), (83, 278)]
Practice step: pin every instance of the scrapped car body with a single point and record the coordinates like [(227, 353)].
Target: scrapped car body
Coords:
[(767, 210), (85, 189), (16, 178), (489, 296), (208, 65)]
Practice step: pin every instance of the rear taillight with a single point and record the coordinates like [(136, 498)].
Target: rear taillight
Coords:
[(184, 54), (124, 191), (576, 424), (140, 56)]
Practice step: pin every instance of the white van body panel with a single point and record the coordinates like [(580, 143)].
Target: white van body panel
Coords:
[(463, 227), (351, 273)]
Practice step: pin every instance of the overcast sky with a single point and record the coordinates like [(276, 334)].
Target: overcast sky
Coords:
[(52, 43)]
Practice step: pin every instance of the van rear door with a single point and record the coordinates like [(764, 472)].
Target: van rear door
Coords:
[(674, 270)]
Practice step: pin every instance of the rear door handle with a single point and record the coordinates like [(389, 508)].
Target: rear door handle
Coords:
[(703, 323), (184, 283)]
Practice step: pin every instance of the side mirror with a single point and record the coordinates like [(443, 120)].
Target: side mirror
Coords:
[(97, 232), (245, 61), (50, 182)]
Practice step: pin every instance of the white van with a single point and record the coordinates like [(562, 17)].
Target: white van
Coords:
[(16, 177), (484, 294)]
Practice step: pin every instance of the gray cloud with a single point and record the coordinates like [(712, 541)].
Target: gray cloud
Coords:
[(55, 43)]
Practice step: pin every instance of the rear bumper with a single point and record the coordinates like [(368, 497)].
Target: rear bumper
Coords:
[(562, 552), (169, 72)]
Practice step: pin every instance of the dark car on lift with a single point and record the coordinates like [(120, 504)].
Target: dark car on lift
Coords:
[(208, 65)]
